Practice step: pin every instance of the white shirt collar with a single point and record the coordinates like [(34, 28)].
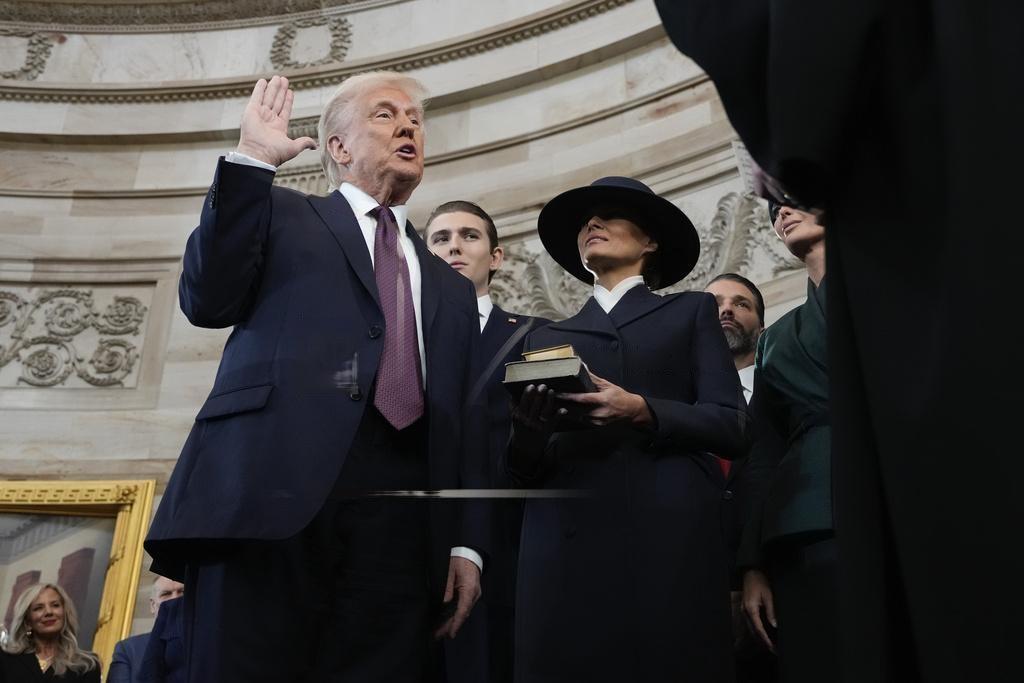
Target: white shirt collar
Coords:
[(485, 306), (362, 204), (607, 300), (747, 381)]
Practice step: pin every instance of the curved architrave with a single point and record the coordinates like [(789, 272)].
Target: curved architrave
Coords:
[(417, 58)]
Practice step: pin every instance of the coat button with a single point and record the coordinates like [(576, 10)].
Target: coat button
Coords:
[(570, 532), (615, 345), (727, 495), (374, 331), (355, 395)]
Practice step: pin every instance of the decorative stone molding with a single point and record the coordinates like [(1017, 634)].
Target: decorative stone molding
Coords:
[(284, 42), (36, 54), (165, 16), (59, 317), (83, 335), (485, 41)]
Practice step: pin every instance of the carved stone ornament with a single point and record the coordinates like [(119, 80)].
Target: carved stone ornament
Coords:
[(39, 335), (284, 42), (36, 54), (738, 239)]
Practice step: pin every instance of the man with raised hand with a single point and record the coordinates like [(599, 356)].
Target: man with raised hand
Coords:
[(345, 375)]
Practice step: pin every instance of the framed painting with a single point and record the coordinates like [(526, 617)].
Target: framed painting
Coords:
[(85, 536)]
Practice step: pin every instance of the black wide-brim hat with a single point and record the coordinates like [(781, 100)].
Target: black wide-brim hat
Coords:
[(561, 219)]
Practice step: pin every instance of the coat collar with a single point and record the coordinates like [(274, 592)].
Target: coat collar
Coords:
[(636, 303)]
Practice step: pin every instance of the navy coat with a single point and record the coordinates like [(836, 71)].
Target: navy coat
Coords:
[(293, 275), (631, 583)]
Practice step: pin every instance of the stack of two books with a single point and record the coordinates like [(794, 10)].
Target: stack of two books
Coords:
[(558, 368)]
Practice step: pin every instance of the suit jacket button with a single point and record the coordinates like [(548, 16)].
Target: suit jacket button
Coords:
[(615, 345), (355, 395), (374, 331), (570, 532), (728, 495)]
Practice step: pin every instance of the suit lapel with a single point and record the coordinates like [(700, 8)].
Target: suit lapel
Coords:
[(634, 304), (337, 215), (496, 330)]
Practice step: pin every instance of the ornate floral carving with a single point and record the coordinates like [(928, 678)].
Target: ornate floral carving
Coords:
[(36, 55), (284, 42), (122, 317), (48, 360)]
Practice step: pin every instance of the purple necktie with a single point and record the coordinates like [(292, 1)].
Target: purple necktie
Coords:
[(399, 392)]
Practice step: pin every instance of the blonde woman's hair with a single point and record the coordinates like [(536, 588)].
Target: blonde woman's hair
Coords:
[(338, 114), (69, 656)]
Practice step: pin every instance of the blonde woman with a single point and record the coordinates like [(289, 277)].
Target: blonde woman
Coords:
[(43, 644)]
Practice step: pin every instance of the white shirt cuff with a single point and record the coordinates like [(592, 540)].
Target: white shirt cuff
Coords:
[(246, 160), (471, 555)]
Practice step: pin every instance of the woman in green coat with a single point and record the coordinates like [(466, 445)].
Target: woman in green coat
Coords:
[(788, 549)]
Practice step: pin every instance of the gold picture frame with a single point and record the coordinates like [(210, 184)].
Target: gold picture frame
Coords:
[(129, 503)]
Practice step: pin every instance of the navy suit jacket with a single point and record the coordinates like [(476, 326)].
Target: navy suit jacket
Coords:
[(500, 328), (293, 275), (127, 660)]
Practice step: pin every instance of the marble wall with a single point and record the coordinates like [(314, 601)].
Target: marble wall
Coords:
[(109, 139)]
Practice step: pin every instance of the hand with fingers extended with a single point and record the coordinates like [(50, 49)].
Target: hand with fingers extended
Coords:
[(611, 403), (757, 596), (264, 127), (463, 586)]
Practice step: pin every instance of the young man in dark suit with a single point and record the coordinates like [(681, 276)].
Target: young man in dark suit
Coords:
[(347, 373), (464, 235)]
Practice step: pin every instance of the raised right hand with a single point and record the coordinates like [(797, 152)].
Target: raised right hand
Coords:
[(264, 128)]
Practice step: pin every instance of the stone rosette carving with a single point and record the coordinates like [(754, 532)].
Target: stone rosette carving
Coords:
[(36, 54), (737, 239), (61, 316), (284, 42)]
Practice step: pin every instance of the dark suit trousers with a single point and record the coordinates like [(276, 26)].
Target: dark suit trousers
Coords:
[(347, 599), (804, 587)]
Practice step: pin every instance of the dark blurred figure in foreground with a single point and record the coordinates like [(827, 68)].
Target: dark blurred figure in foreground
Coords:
[(899, 119)]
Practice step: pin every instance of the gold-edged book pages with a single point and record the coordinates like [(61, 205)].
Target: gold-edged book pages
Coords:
[(562, 351)]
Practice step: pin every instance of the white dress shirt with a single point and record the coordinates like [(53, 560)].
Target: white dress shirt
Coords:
[(485, 306), (607, 300), (362, 204), (747, 381)]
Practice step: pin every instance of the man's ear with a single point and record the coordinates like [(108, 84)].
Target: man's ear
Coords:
[(651, 247), (340, 154), (497, 258)]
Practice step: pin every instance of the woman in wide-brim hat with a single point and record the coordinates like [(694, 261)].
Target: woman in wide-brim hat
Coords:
[(629, 584)]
